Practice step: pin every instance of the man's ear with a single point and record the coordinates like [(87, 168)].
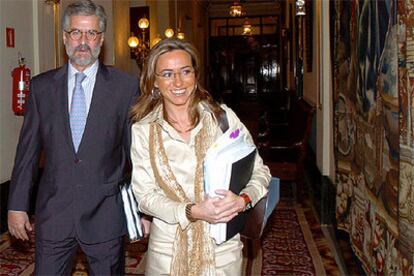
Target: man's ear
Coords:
[(102, 38)]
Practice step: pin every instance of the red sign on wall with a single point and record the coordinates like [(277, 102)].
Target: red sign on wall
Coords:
[(10, 37)]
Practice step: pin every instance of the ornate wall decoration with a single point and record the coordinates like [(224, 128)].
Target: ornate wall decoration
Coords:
[(374, 140), (406, 137)]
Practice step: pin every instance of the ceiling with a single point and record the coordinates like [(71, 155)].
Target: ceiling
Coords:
[(228, 2), (219, 8)]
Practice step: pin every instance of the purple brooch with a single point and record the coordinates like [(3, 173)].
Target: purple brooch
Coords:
[(235, 134)]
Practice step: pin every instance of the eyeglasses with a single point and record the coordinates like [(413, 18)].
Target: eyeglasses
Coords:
[(76, 34), (169, 75)]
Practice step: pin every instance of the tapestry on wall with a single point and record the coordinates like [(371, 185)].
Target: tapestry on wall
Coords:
[(374, 141)]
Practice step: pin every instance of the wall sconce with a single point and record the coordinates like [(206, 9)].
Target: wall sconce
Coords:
[(236, 9), (140, 45), (300, 8)]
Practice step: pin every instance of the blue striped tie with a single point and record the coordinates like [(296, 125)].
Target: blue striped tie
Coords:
[(78, 111)]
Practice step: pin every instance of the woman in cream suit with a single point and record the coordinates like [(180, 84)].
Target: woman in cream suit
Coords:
[(175, 121)]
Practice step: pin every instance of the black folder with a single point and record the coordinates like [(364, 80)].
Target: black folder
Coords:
[(241, 173)]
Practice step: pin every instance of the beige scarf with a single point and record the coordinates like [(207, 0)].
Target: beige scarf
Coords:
[(193, 251)]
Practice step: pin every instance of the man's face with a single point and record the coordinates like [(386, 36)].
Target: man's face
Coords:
[(84, 50)]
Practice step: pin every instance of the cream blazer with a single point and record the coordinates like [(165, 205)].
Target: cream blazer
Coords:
[(169, 214)]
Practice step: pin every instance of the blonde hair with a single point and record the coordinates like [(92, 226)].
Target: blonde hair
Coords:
[(147, 102)]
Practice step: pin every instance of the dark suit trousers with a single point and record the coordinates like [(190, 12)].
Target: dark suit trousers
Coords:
[(56, 258)]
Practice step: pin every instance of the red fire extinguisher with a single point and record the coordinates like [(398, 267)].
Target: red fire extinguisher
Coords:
[(21, 82)]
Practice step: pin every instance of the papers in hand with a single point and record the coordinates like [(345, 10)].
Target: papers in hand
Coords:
[(133, 219), (226, 151)]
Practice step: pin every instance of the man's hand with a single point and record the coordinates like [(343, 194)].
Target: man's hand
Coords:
[(19, 224)]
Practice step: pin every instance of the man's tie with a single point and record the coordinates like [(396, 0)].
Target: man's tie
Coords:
[(78, 111)]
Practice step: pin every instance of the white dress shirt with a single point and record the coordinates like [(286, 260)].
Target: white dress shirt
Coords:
[(88, 83)]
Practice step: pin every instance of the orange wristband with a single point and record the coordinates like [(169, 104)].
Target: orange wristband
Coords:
[(246, 198), (247, 201)]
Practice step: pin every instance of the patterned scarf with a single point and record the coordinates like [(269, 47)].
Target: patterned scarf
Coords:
[(193, 251)]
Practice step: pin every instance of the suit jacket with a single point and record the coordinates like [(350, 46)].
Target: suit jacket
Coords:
[(78, 193)]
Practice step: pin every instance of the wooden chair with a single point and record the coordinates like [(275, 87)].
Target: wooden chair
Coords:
[(283, 146)]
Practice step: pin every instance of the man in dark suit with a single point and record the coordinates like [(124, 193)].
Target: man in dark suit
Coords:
[(78, 116)]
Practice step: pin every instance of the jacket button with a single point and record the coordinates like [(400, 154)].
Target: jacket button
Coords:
[(77, 160)]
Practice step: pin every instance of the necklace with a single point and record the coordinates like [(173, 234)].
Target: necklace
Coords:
[(181, 131), (177, 126)]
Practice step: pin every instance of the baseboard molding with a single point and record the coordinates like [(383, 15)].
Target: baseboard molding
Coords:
[(328, 199), (321, 191), (341, 235)]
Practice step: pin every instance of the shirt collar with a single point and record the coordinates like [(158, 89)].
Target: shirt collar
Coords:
[(89, 72), (157, 114)]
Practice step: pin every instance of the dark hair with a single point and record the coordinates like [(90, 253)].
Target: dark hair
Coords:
[(85, 7), (146, 102)]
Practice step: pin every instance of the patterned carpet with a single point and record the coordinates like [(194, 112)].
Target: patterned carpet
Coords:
[(292, 244)]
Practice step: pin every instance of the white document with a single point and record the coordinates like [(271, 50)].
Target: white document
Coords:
[(226, 150), (135, 229)]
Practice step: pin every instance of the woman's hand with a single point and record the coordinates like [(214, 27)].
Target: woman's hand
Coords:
[(229, 196), (219, 209), (146, 223)]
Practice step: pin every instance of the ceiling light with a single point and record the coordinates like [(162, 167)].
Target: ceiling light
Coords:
[(247, 28), (236, 9), (169, 32), (300, 8)]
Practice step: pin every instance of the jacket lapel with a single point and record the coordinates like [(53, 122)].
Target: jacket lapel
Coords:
[(61, 79), (97, 109)]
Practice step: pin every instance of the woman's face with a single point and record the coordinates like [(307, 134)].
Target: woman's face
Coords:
[(175, 78)]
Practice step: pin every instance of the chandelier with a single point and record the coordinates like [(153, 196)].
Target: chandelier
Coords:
[(236, 9), (177, 31), (300, 8), (246, 28), (139, 44), (170, 32), (52, 2)]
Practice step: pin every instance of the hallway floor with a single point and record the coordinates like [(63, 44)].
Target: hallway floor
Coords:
[(338, 252), (333, 246), (278, 252)]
